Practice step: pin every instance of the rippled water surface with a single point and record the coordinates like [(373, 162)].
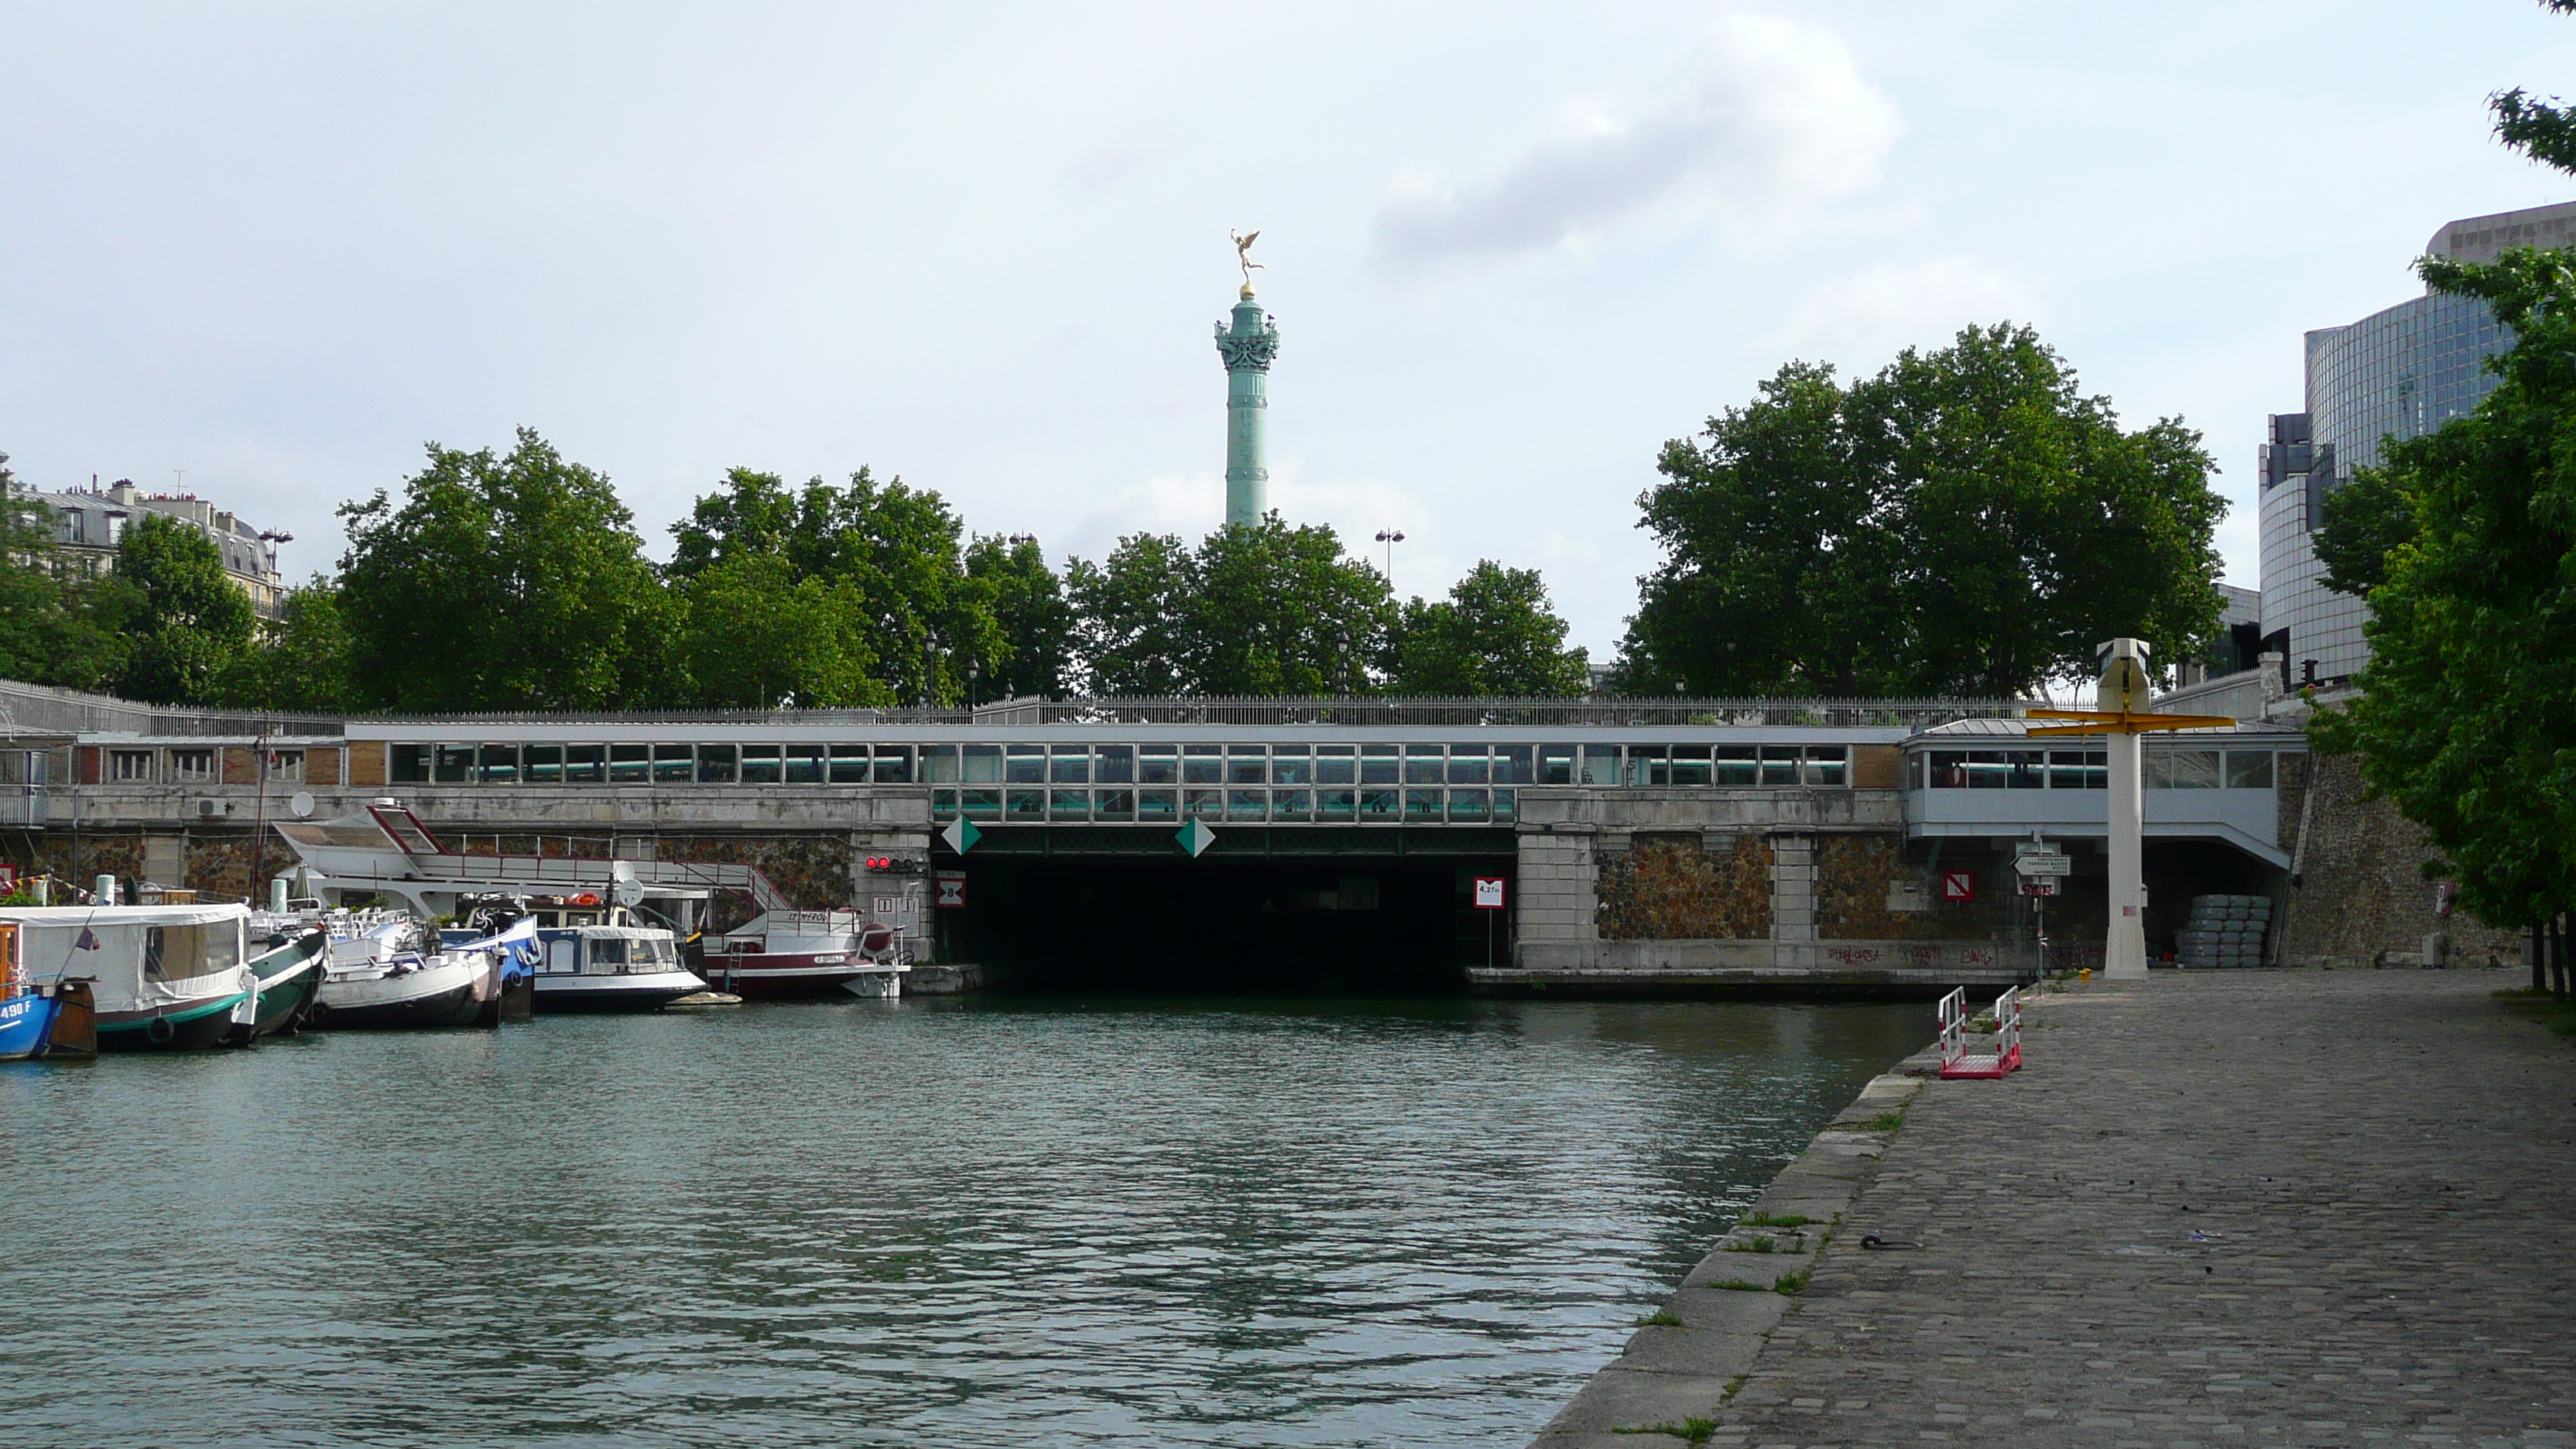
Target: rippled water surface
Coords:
[(997, 1222)]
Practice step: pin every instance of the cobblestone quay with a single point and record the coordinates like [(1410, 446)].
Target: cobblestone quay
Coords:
[(2274, 1208)]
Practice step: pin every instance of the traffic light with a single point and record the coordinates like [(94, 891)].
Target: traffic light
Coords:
[(895, 865)]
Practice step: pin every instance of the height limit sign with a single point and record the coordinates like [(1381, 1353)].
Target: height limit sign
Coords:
[(1489, 893)]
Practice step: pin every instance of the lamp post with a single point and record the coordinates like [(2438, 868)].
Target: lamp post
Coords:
[(1390, 537)]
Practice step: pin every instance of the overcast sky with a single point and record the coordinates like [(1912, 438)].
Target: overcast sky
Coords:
[(1511, 249)]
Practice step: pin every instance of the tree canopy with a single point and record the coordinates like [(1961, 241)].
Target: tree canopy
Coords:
[(1258, 609), (189, 621), (1494, 634), (1966, 521)]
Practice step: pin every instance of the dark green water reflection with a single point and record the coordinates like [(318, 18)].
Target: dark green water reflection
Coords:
[(1002, 1222)]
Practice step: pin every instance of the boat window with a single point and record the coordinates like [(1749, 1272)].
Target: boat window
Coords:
[(1336, 765), (849, 764), (1292, 765), (1158, 764), (760, 764), (1556, 764), (175, 953), (562, 955), (1025, 764), (544, 764), (1247, 764), (499, 764), (894, 764), (408, 764), (671, 764), (983, 765), (1070, 765), (1202, 765), (585, 764), (1116, 765), (607, 950), (939, 764), (715, 764), (655, 951), (2249, 769), (455, 764), (804, 764)]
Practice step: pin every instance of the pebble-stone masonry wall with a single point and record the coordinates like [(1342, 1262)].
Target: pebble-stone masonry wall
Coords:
[(2363, 897)]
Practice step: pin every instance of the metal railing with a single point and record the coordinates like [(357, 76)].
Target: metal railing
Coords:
[(1468, 712)]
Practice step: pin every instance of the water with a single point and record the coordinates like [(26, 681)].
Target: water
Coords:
[(995, 1222)]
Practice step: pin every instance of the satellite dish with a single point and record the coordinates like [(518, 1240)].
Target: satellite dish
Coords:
[(628, 892), (302, 804)]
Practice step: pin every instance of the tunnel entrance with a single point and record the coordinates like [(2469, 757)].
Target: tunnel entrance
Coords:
[(1247, 924)]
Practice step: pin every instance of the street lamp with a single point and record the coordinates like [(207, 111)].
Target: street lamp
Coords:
[(1390, 537)]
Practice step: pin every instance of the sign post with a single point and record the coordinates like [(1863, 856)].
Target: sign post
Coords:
[(1489, 897), (2126, 713)]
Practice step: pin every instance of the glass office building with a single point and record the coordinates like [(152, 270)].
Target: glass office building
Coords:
[(2393, 374)]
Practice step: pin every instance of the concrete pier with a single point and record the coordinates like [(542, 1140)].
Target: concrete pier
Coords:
[(2280, 1208)]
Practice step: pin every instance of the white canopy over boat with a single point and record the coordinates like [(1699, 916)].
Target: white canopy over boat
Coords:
[(144, 957)]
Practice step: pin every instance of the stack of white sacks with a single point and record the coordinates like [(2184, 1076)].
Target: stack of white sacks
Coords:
[(2223, 931)]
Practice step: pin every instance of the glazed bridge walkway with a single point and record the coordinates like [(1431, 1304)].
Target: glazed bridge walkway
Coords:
[(2269, 1208)]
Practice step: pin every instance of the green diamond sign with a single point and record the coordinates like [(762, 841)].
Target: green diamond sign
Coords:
[(961, 836), (1195, 837)]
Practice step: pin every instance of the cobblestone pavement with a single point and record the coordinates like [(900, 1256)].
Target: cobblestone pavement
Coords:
[(2259, 1208)]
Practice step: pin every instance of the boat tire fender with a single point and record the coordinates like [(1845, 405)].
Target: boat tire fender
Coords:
[(158, 1031)]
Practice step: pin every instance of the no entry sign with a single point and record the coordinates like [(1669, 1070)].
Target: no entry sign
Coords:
[(1958, 885)]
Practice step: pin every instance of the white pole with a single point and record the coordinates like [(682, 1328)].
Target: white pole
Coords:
[(2124, 946)]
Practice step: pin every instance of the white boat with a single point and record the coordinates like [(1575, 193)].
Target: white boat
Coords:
[(809, 954), (611, 967), (388, 970), (166, 978)]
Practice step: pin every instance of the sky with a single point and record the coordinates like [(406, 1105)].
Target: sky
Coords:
[(266, 254)]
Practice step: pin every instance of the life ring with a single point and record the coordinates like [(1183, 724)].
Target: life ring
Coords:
[(158, 1031)]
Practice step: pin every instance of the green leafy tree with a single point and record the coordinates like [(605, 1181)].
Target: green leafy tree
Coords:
[(190, 621), (1256, 610), (1494, 635), (928, 624), (1964, 522), (501, 582), (1130, 626), (299, 662), (2366, 520), (1028, 602), (753, 636)]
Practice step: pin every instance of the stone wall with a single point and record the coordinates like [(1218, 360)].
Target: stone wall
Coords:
[(1674, 888), (813, 871), (2361, 890), (1853, 874)]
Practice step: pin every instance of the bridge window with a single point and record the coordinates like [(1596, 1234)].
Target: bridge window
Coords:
[(1203, 804), (1336, 807), (1600, 764), (1158, 805), (1292, 805), (1202, 765), (1070, 806), (585, 764), (455, 764), (760, 764), (1379, 765), (1422, 764), (939, 764), (1247, 765), (849, 764), (2182, 770), (1690, 765), (1470, 806), (1648, 765), (1556, 764), (671, 764), (1468, 765), (1025, 804), (1292, 765), (1379, 806), (1158, 764), (1506, 806), (894, 764), (2249, 769), (1024, 764), (980, 804), (407, 764), (498, 764), (1070, 765), (1738, 765), (1117, 765), (1246, 804), (630, 764), (2079, 770), (1512, 765), (943, 804), (1828, 764), (983, 764), (1336, 765), (1779, 764), (1421, 807), (1113, 805), (715, 765), (543, 764), (804, 764)]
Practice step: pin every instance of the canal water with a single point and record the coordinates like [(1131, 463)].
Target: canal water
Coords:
[(985, 1222)]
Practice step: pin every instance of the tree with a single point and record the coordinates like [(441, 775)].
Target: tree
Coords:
[(752, 636), (2366, 520), (300, 662), (1966, 521), (1495, 634), (190, 621), (1028, 603), (501, 582), (1263, 609), (926, 622)]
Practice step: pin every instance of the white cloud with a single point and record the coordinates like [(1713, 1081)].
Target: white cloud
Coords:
[(1777, 118), (1888, 307)]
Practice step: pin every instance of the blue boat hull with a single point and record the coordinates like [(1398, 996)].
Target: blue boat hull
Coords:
[(25, 1024)]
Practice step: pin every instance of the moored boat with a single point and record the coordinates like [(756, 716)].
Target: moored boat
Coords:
[(612, 968), (166, 978), (289, 975), (807, 954), (389, 971), (56, 1020)]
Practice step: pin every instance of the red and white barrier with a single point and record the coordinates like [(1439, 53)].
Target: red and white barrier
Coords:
[(1957, 1061)]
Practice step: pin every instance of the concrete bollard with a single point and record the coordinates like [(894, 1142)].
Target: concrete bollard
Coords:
[(104, 888)]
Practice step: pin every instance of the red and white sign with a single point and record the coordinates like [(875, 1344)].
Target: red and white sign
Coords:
[(1958, 885), (950, 886), (1489, 893), (2039, 885)]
